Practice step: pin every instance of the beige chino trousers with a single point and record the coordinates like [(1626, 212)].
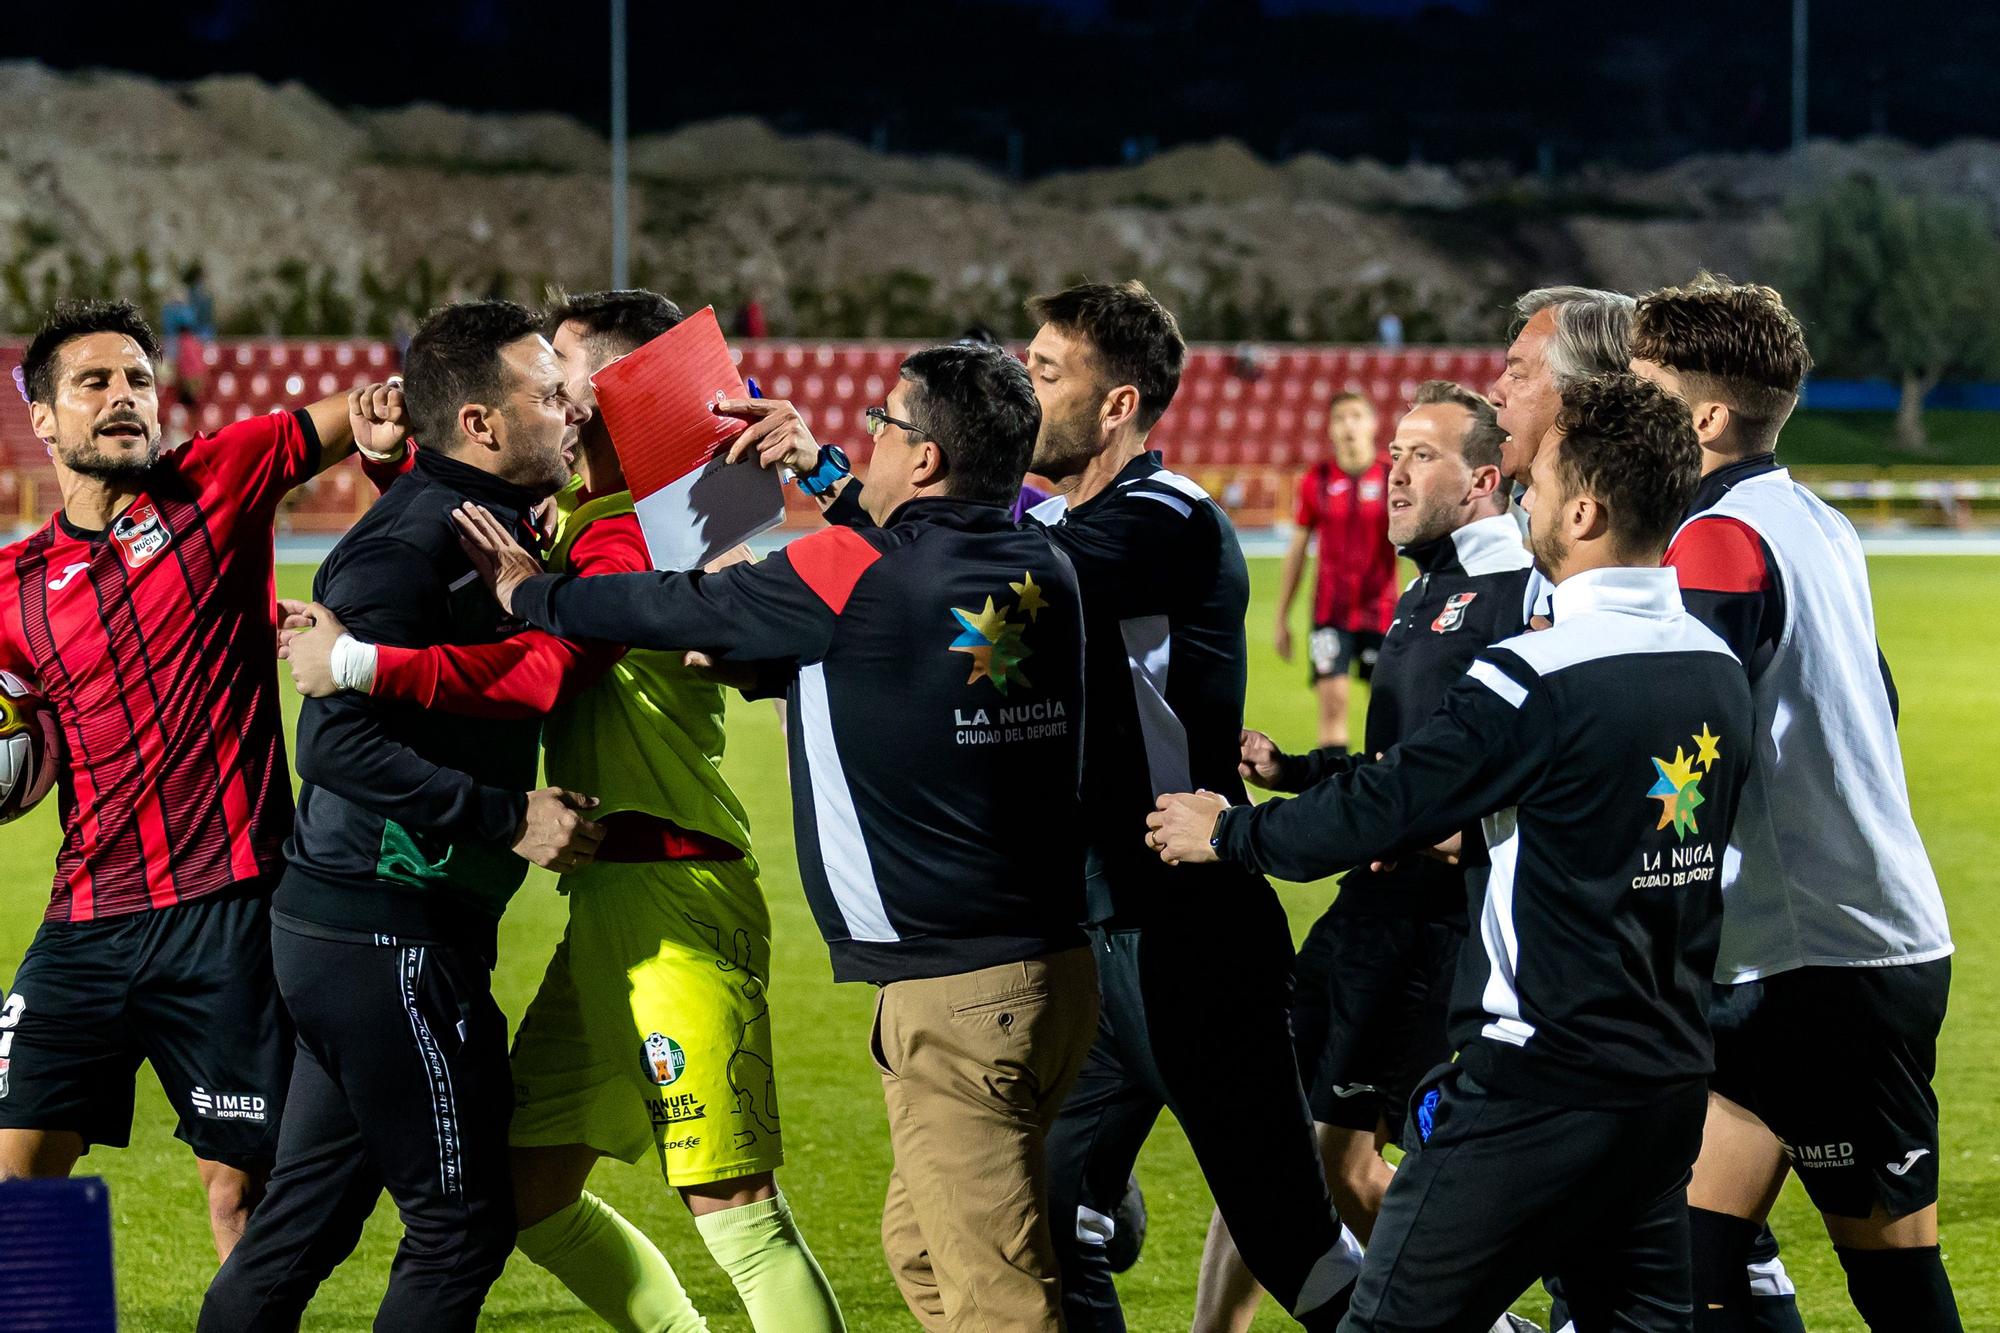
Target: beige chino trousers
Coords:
[(974, 1069)]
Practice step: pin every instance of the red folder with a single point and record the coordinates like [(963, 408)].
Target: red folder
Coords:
[(656, 403)]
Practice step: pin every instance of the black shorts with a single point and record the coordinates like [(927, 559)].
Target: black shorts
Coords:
[(188, 988), (1334, 652), (1499, 1191), (1370, 1012), (1838, 1062)]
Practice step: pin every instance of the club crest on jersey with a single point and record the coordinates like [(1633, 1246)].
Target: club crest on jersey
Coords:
[(140, 533), (1678, 786), (995, 640), (1453, 614), (662, 1058)]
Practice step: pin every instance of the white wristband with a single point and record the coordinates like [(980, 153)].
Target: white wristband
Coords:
[(395, 456), (353, 664)]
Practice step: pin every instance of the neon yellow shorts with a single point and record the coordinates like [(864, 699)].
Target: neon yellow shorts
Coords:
[(651, 1027)]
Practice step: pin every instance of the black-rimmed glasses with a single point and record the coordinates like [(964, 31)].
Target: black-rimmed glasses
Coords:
[(878, 417)]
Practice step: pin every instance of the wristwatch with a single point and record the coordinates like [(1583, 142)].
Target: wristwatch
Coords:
[(832, 467)]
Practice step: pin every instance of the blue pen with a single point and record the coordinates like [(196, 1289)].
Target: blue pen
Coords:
[(755, 392)]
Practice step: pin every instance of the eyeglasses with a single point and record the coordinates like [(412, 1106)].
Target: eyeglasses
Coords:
[(878, 417)]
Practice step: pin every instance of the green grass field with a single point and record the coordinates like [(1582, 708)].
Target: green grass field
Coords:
[(838, 1145)]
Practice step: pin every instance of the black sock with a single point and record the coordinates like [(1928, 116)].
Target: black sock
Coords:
[(1905, 1290), (1721, 1255), (1771, 1311)]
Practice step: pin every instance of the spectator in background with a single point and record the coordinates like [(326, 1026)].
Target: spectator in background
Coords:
[(187, 327), (1389, 330), (1343, 500)]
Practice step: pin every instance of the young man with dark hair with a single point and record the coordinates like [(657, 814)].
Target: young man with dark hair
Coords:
[(935, 681), (1374, 973), (1343, 509), (1835, 958), (651, 1030), (414, 829), (1604, 757), (144, 610), (1165, 589)]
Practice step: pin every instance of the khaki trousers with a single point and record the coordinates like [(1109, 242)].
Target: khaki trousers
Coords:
[(974, 1070)]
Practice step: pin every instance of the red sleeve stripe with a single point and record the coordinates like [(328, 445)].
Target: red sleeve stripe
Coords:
[(615, 544), (831, 563), (1720, 555)]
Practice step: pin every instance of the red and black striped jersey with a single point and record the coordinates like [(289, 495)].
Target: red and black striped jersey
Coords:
[(156, 641)]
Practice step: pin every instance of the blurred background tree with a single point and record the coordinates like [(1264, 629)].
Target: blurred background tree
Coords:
[(1907, 286)]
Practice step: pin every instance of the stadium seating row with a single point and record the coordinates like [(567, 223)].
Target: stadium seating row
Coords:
[(1239, 408)]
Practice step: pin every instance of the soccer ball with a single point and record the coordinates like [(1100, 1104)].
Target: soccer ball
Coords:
[(29, 746)]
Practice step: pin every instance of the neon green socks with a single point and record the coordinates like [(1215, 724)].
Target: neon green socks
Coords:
[(780, 1282), (612, 1267)]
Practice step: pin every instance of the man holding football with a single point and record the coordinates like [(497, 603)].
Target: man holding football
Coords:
[(145, 610)]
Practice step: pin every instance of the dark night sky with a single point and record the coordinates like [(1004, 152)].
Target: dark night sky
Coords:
[(1068, 84)]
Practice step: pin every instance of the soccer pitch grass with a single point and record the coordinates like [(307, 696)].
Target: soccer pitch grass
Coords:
[(836, 1140)]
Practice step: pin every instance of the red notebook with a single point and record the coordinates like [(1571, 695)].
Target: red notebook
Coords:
[(655, 403)]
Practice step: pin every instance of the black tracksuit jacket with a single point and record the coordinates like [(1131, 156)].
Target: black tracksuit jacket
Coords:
[(406, 814), (1164, 590), (935, 688), (1471, 591), (1605, 756)]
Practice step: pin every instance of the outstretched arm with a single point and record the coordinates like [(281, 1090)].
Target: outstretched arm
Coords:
[(1263, 764), (1475, 756), (780, 609), (524, 676)]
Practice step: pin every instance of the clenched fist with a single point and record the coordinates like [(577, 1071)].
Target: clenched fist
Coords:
[(1261, 761), (554, 834), (379, 417)]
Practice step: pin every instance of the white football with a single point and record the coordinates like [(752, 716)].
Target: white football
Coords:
[(30, 748)]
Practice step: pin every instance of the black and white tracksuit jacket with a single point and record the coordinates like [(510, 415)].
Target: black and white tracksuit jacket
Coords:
[(936, 692), (1165, 589), (1605, 756), (1471, 591)]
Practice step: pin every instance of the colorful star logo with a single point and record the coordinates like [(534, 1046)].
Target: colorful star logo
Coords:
[(995, 641), (1678, 787), (1030, 593)]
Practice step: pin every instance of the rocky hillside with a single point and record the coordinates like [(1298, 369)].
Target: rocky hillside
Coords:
[(310, 218)]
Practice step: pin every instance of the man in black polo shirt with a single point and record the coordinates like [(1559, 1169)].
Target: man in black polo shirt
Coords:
[(1374, 974), (1605, 757)]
